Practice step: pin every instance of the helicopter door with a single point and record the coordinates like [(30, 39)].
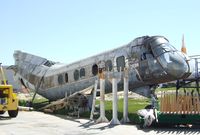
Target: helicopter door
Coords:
[(144, 67)]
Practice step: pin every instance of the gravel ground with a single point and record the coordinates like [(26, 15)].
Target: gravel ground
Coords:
[(38, 123)]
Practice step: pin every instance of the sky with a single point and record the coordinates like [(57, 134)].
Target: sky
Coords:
[(69, 30)]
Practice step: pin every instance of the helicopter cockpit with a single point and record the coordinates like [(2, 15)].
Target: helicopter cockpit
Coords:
[(173, 62)]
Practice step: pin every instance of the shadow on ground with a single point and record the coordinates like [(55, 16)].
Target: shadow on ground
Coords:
[(169, 129), (5, 118), (158, 129)]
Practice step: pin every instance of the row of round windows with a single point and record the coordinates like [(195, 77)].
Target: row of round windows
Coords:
[(81, 73)]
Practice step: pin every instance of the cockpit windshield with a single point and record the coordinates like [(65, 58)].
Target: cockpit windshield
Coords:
[(169, 58), (160, 46), (173, 63)]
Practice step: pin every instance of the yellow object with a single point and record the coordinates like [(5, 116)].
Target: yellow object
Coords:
[(8, 99)]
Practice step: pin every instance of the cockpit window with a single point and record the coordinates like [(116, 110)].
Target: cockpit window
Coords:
[(162, 48), (171, 63), (157, 42)]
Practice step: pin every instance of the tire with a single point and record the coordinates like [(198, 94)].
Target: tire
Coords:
[(2, 112), (13, 113)]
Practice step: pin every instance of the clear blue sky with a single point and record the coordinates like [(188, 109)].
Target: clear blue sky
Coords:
[(66, 31)]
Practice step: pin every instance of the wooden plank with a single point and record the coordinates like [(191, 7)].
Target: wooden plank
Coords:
[(161, 102), (187, 104), (191, 104), (195, 104), (168, 103), (172, 103), (184, 104), (179, 104), (164, 102), (198, 104)]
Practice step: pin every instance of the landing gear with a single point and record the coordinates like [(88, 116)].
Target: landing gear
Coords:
[(154, 99)]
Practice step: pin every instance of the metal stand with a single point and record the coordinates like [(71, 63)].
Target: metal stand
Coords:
[(125, 118), (102, 117), (94, 100), (115, 120)]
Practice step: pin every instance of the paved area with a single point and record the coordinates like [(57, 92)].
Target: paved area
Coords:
[(38, 123)]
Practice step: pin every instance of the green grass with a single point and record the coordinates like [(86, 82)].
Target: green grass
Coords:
[(133, 106), (40, 100), (166, 89), (37, 103)]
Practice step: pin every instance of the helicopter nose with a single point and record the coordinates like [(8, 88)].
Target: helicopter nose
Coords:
[(175, 64)]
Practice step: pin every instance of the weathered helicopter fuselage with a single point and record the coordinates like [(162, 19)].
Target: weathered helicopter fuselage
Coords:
[(150, 61)]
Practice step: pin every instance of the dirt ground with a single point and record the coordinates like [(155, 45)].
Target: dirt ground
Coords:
[(38, 123)]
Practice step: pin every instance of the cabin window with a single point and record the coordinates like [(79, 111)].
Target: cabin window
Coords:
[(120, 63), (66, 77), (60, 79), (95, 69), (76, 75), (82, 72), (109, 65)]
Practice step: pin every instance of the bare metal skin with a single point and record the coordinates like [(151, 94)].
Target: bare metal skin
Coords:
[(150, 61)]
